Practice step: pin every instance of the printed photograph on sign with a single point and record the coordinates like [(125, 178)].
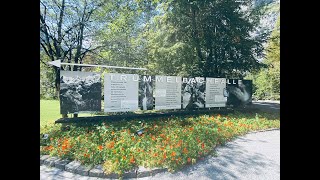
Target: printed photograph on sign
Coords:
[(146, 84), (193, 93), (120, 92), (240, 92), (80, 92)]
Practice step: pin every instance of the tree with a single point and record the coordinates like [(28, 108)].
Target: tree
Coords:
[(267, 81), (214, 35), (66, 31)]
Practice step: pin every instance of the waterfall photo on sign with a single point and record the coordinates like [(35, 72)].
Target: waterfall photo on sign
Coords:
[(146, 84), (240, 92), (80, 92), (193, 93)]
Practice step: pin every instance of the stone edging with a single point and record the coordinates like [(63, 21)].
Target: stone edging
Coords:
[(97, 171)]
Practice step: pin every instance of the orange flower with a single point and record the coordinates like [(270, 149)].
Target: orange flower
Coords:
[(161, 148), (189, 160), (110, 145), (185, 151), (155, 154), (100, 147), (173, 154), (132, 160), (114, 151), (153, 138), (124, 157), (191, 129), (86, 155), (112, 133), (179, 159), (132, 138), (48, 148), (184, 130), (162, 135), (165, 156)]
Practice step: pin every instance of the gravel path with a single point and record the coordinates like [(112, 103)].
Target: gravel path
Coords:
[(253, 156)]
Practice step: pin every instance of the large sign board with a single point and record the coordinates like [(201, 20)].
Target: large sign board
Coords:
[(216, 93), (193, 93), (120, 92), (240, 92), (167, 92), (80, 92)]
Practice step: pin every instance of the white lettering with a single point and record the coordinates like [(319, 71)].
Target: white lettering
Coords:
[(169, 79), (137, 77), (184, 80), (111, 76), (234, 81), (146, 79), (192, 80), (123, 77), (159, 78)]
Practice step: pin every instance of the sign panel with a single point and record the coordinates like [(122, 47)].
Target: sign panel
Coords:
[(146, 86), (167, 92), (120, 92), (240, 92), (193, 92), (216, 95), (80, 92)]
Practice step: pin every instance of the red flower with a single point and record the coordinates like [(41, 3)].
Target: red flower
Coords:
[(100, 147), (202, 145), (189, 160)]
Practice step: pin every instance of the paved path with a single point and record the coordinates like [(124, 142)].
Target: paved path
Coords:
[(253, 156), (273, 106)]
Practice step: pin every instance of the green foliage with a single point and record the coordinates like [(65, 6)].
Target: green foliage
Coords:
[(205, 38), (267, 81), (47, 76), (166, 142)]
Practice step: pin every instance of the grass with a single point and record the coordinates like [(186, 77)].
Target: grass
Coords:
[(166, 142), (50, 112)]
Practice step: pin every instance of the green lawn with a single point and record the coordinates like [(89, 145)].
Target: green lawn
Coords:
[(50, 111)]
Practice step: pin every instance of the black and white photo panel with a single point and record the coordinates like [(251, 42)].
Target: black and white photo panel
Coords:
[(146, 86), (240, 92), (80, 92), (193, 93)]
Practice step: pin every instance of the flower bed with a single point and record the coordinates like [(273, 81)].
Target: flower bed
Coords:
[(166, 142)]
